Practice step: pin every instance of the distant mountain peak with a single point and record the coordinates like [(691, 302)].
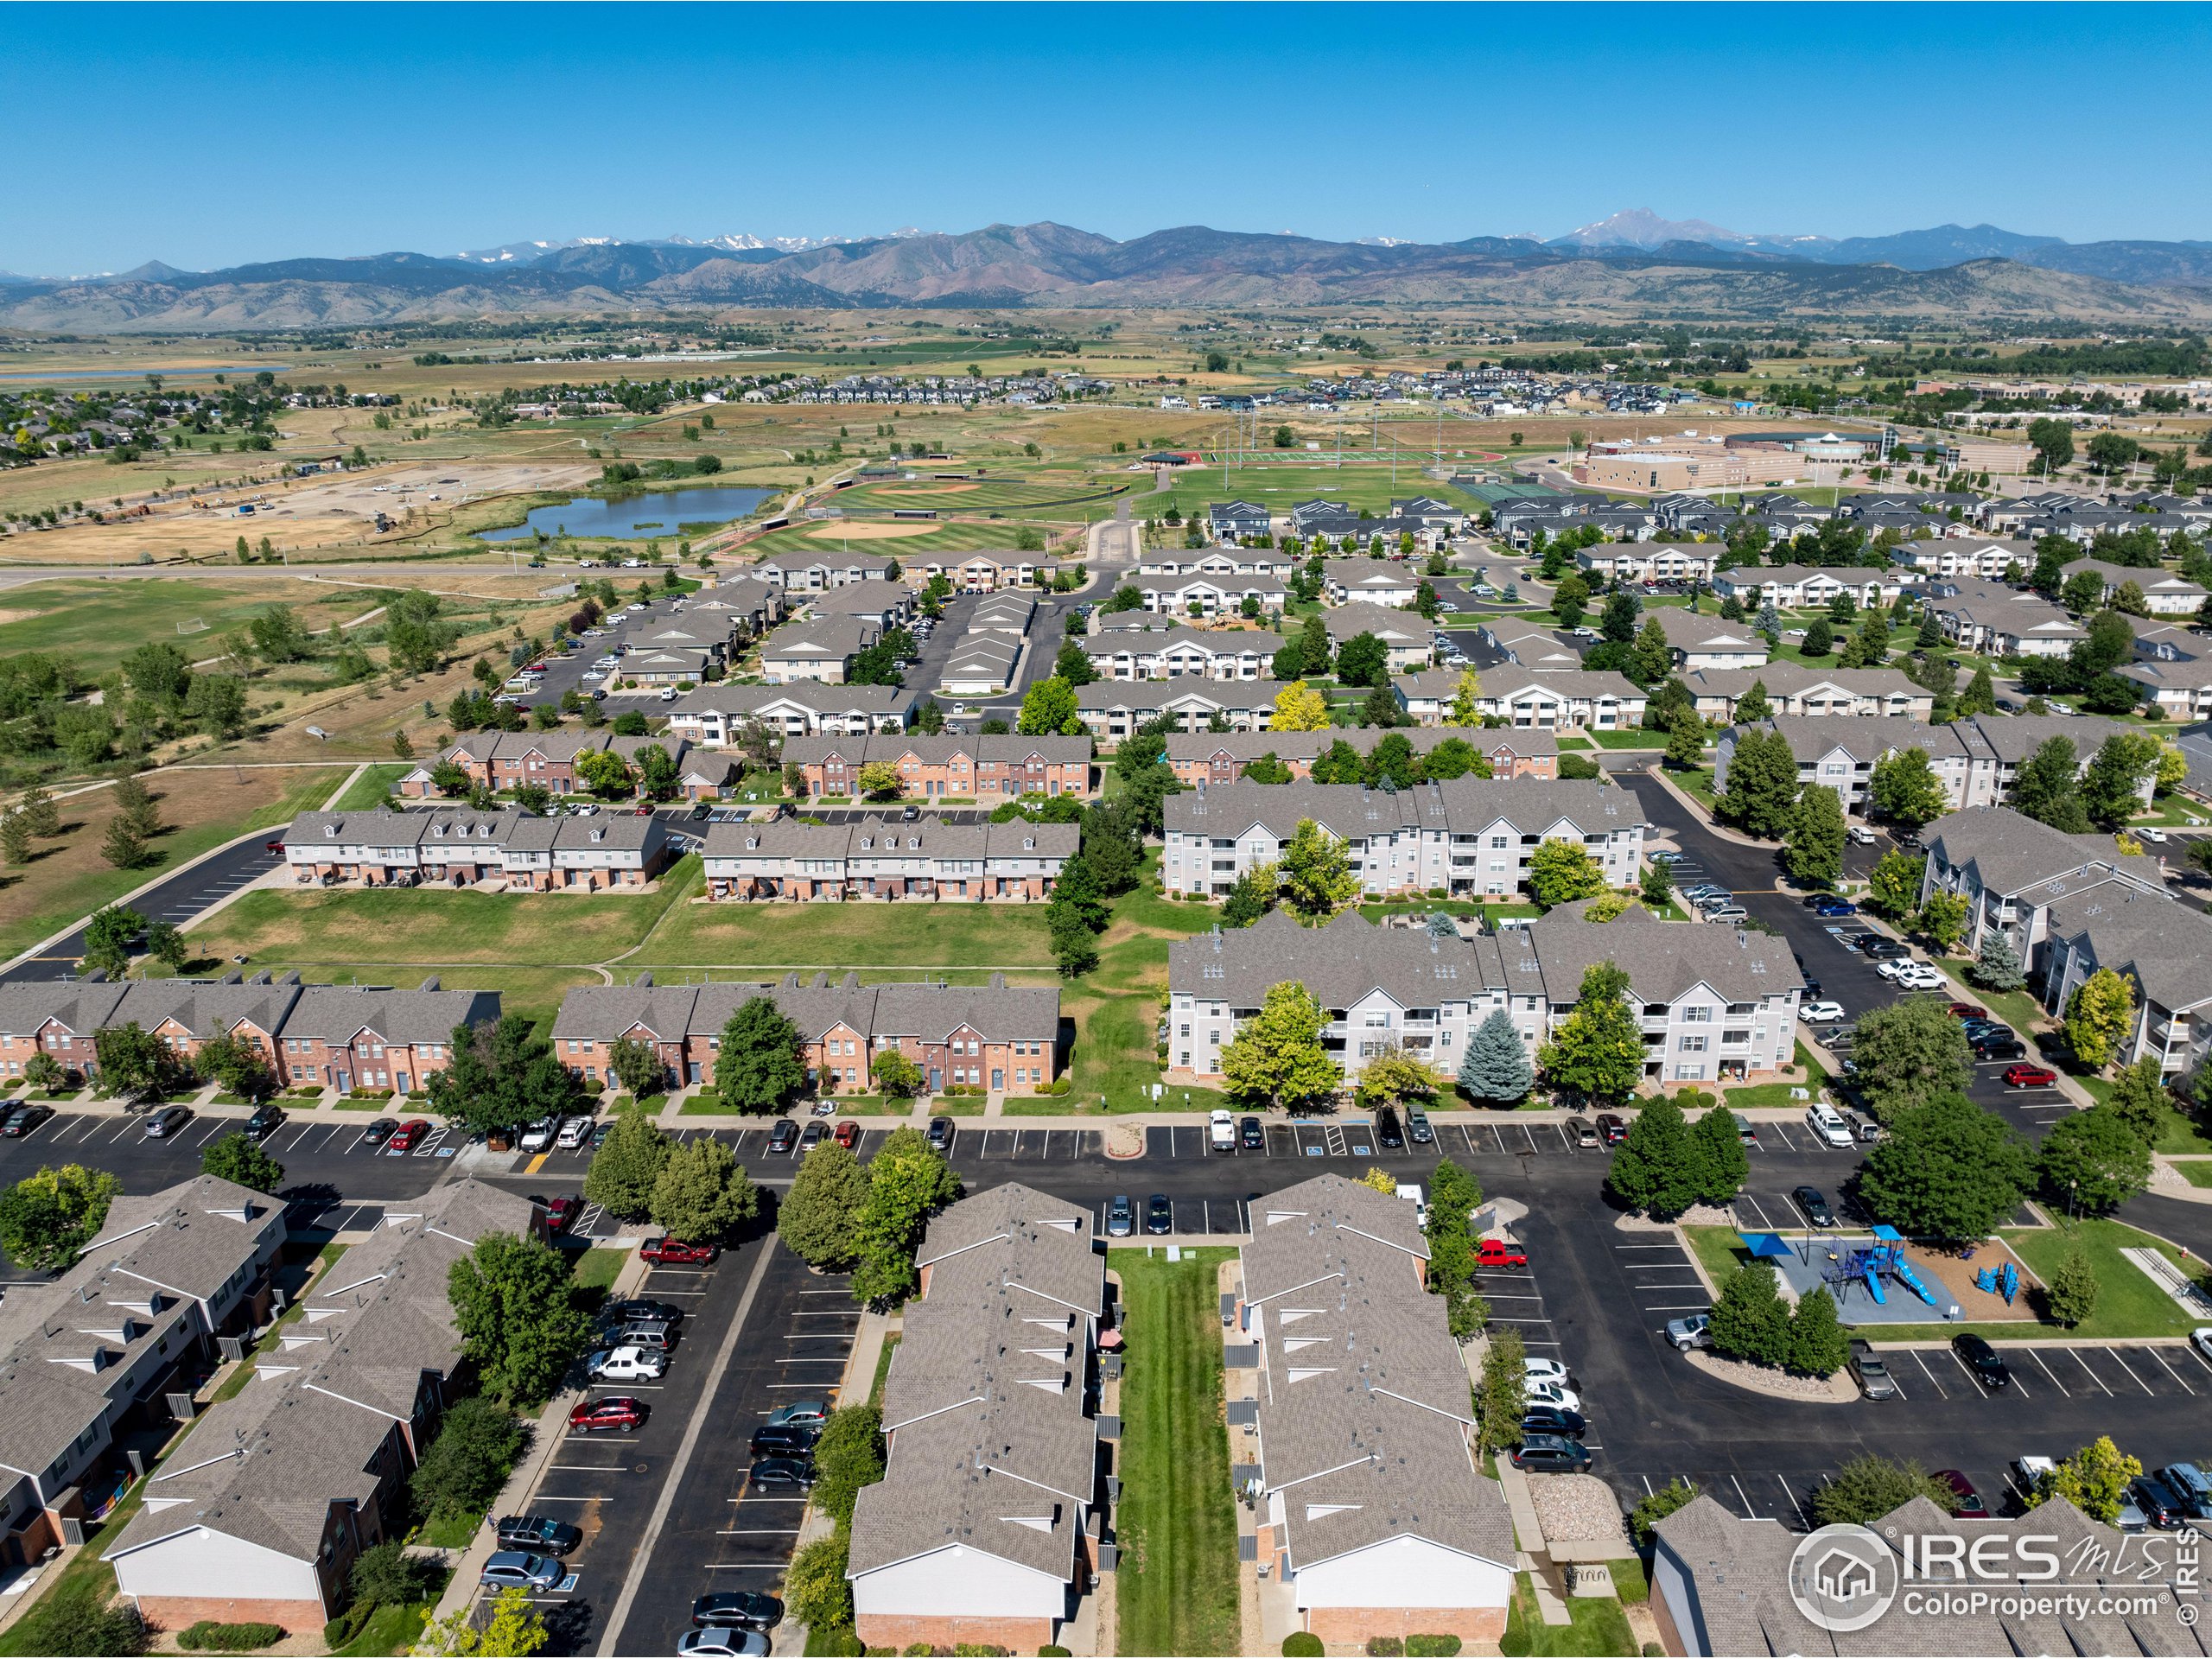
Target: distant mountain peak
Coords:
[(1639, 227)]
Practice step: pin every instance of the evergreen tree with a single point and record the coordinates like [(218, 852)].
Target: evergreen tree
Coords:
[(1818, 1343), (2139, 1098), (2071, 1296), (1980, 696), (1816, 834), (1750, 1319), (1997, 968), (1654, 656), (1754, 706), (1819, 639), (1496, 1067), (1685, 741)]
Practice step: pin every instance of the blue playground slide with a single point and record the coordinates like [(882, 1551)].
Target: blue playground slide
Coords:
[(1874, 1284), (1910, 1280)]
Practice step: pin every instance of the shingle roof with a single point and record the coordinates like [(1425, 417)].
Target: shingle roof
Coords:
[(335, 1012), (2167, 947), (1352, 811), (2011, 853)]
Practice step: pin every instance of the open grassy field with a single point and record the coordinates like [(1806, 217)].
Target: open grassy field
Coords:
[(1360, 484), (374, 786), (915, 539), (95, 623), (1178, 1520), (988, 495), (859, 936), (67, 878)]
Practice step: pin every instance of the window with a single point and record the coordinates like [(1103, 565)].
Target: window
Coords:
[(1697, 1016), (1693, 1044)]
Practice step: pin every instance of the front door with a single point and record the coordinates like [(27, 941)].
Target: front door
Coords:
[(998, 1079), (936, 1079)]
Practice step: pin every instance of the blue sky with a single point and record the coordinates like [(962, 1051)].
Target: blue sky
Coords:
[(208, 135)]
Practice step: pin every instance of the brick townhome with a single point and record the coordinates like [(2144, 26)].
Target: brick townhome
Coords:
[(934, 767), (1372, 1507), (980, 1531), (460, 846), (994, 1036), (372, 1037), (510, 760), (262, 1511)]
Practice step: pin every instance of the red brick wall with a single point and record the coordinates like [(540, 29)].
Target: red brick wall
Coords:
[(175, 1612), (1352, 1626), (1015, 1635)]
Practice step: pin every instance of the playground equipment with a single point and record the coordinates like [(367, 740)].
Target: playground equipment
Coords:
[(2000, 1282), (1869, 1263)]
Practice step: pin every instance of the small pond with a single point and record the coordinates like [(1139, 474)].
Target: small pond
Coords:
[(657, 514)]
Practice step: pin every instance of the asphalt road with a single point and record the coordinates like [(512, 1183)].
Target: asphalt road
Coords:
[(177, 899)]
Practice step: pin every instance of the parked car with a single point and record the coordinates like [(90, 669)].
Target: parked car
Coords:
[(800, 1414), (539, 1535), (1821, 1014), (167, 1120), (2161, 1505), (1581, 1132), (2201, 1339), (264, 1122), (1387, 1133), (639, 1309), (1988, 1366), (1554, 1420), (619, 1413), (539, 1135), (628, 1363), (1814, 1204), (654, 1336), (561, 1212), (1999, 1048), (813, 1137), (721, 1641), (1418, 1130), (1725, 913), (1968, 1011), (744, 1610), (378, 1131), (1878, 948), (1690, 1333), (784, 1439), (575, 1131), (1552, 1453), (1970, 1502), (1497, 1253), (409, 1135), (1159, 1214), (2192, 1486), (1746, 1132), (940, 1135), (518, 1568), (1835, 908), (780, 1471), (783, 1137), (1120, 1216), (25, 1118), (1251, 1135), (1545, 1370), (2029, 1076), (1872, 1375), (1221, 1131), (1551, 1393), (675, 1253), (848, 1135)]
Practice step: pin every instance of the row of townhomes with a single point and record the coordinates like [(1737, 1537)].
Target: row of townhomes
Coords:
[(1372, 1509), (878, 858), (508, 760), (261, 1512), (342, 1036), (1151, 649), (986, 1525), (1716, 1003), (463, 847), (934, 767), (1222, 758), (1005, 1037), (2071, 905), (88, 1358), (1467, 836), (1975, 759)]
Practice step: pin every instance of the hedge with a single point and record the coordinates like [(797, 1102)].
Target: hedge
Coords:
[(1431, 1647), (229, 1638)]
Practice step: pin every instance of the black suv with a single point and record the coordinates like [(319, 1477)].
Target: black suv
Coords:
[(1554, 1420), (1989, 1368), (1815, 1206), (264, 1122), (783, 1439), (538, 1534), (1387, 1130), (1159, 1214), (1251, 1135)]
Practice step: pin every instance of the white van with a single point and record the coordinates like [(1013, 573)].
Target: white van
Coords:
[(1824, 1120), (1413, 1195)]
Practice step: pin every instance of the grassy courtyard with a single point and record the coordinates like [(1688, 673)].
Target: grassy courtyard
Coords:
[(1178, 1519)]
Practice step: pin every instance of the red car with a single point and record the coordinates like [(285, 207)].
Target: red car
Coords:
[(619, 1413), (1967, 1011), (276, 846), (2028, 1077), (675, 1253), (1497, 1253), (646, 812), (404, 1137), (848, 1135), (561, 1212)]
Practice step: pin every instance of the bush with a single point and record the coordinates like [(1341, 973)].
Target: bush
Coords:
[(341, 1631), (477, 1446), (1051, 1653), (229, 1638), (1302, 1645), (77, 1617), (1431, 1647), (1385, 1647)]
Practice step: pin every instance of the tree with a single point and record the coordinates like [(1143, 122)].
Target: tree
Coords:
[(1616, 622), (1762, 785), (501, 1075), (879, 780), (15, 837), (1750, 1319), (1276, 1058), (109, 933), (2099, 1016), (1819, 639), (386, 1573), (165, 944), (819, 1219), (895, 1075), (1466, 700), (1317, 873), (511, 1304), (1943, 919), (1394, 1077), (1980, 696), (1907, 1052), (1948, 1169), (50, 1215), (233, 1157), (1597, 1052), (42, 813), (2111, 789), (908, 1183), (2139, 1099), (637, 1065), (1073, 664), (515, 1629), (1364, 660), (1654, 656), (1502, 1397), (1818, 1345), (134, 806), (1298, 708), (132, 1061), (2092, 1160), (815, 1591), (1453, 1193), (1654, 1507), (759, 1063), (216, 704), (1571, 601), (1049, 710), (1998, 967), (626, 1172), (1685, 740), (123, 846), (1814, 852), (1893, 886), (605, 773), (1659, 1168), (238, 1065), (2071, 1296), (703, 1192), (658, 777), (1314, 640), (1906, 790), (1724, 1165), (2046, 787), (2095, 1480), (848, 1456), (464, 1466), (1562, 871), (2053, 442), (1496, 1067), (1869, 1486), (1656, 886)]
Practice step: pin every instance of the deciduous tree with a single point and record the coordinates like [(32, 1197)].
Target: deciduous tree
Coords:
[(1762, 784), (1750, 1319), (233, 1157), (2095, 1480), (1660, 1168), (820, 1218), (1562, 871), (1317, 874), (1814, 852), (759, 1063), (50, 1215), (1597, 1054), (702, 1193), (1298, 708), (1049, 710), (625, 1170), (2093, 1161), (1906, 790), (500, 1075), (907, 1184), (1276, 1058), (517, 1323), (1907, 1052), (1948, 1170), (1502, 1398), (1893, 886), (2099, 1016), (1943, 919), (2047, 787), (1869, 1486)]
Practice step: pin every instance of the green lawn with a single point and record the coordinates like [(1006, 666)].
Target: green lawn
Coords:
[(2197, 1171), (1599, 1627), (882, 1368), (392, 1629), (372, 788), (595, 1269), (834, 936), (1115, 1009), (96, 623), (1635, 738), (1809, 1075), (1629, 1579), (1177, 1520)]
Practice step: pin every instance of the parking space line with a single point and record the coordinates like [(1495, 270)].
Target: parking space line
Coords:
[(1929, 1375), (2122, 1361), (1963, 1366), (215, 1126), (1782, 1134), (2048, 1372), (2160, 1356), (1791, 1494), (1751, 1513), (2094, 1377)]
